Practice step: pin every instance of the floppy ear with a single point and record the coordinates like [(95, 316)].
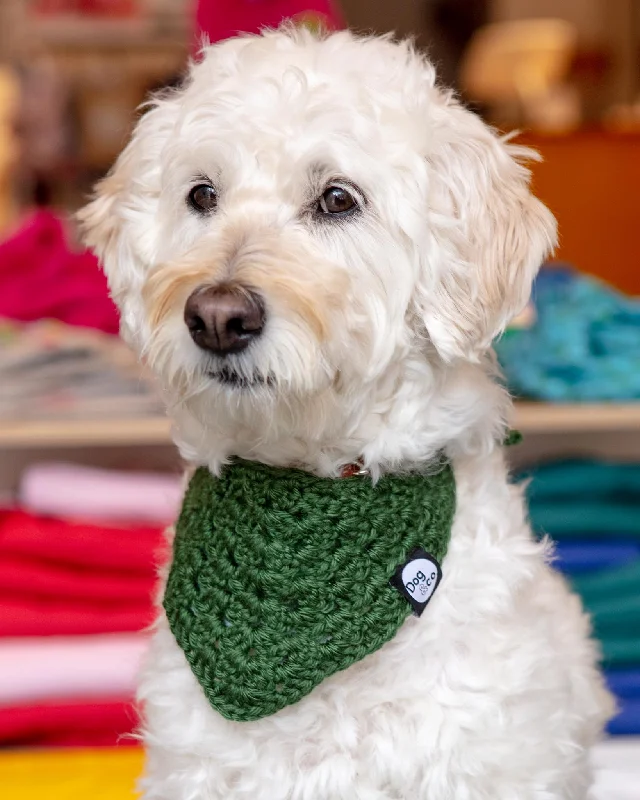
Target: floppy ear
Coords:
[(118, 223), (491, 236)]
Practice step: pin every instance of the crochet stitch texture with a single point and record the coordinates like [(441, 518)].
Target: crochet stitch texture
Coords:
[(280, 578)]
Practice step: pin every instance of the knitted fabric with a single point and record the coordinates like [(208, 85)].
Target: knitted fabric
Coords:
[(584, 345), (281, 579)]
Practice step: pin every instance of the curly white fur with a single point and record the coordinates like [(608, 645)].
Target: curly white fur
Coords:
[(376, 346)]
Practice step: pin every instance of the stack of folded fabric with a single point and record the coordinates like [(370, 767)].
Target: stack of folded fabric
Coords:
[(592, 511), (51, 371), (77, 575)]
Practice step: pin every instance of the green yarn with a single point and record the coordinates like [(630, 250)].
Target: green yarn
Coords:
[(280, 578), (513, 437)]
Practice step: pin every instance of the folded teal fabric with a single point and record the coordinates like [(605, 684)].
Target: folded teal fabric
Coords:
[(619, 651), (584, 478), (617, 616), (609, 583), (612, 598), (583, 346), (585, 518), (592, 510), (585, 499)]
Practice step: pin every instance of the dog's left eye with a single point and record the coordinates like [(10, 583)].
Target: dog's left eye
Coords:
[(336, 200), (203, 198)]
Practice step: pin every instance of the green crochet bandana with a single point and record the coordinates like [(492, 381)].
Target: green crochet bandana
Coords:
[(280, 579)]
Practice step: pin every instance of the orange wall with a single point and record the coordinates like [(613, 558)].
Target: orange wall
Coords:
[(591, 182)]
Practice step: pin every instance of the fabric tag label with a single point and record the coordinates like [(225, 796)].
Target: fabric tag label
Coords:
[(417, 579)]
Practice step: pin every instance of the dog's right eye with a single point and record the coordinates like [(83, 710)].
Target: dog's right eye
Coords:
[(203, 198), (336, 200)]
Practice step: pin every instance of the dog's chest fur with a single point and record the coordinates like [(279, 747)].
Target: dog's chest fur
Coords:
[(434, 713)]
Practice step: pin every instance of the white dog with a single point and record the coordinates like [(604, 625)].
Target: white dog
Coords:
[(314, 245)]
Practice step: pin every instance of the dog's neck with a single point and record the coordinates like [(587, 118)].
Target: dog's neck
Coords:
[(400, 420)]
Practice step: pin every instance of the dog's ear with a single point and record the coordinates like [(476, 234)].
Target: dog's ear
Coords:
[(118, 223), (489, 235)]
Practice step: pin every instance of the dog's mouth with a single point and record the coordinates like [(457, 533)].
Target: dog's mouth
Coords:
[(234, 380)]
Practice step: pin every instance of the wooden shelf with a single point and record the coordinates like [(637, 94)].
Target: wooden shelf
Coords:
[(530, 418), (577, 417), (81, 433), (77, 32)]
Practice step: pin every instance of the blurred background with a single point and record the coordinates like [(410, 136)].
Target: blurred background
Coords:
[(88, 476)]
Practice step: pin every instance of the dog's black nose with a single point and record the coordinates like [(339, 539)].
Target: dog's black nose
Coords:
[(224, 320)]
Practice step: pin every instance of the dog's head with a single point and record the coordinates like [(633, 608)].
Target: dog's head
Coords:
[(306, 214)]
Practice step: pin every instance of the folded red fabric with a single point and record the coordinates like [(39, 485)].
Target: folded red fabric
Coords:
[(90, 721), (40, 276), (64, 582), (125, 550), (26, 616)]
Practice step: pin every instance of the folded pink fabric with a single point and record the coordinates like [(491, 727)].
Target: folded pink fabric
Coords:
[(41, 276), (73, 491), (33, 670)]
